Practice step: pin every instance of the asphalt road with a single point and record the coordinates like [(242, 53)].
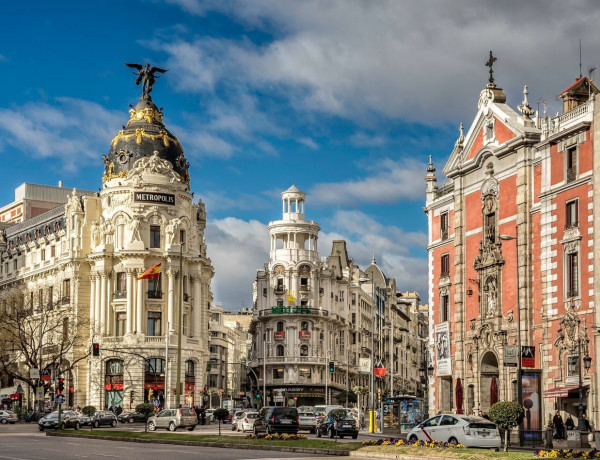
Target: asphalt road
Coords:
[(26, 442)]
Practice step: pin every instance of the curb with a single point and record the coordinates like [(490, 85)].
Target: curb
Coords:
[(304, 450)]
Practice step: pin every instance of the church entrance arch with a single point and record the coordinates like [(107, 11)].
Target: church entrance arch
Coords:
[(488, 381)]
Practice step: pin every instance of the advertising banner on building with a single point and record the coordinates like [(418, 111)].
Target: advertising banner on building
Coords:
[(532, 403), (442, 349), (365, 365), (511, 355), (527, 356)]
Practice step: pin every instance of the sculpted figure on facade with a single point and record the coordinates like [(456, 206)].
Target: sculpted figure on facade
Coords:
[(154, 165), (95, 230), (134, 227), (107, 232), (491, 298)]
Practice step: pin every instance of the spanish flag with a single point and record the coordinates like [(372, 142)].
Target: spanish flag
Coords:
[(152, 272)]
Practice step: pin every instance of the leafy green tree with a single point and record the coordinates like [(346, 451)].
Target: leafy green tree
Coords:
[(352, 398), (507, 415), (88, 410), (220, 415), (145, 409)]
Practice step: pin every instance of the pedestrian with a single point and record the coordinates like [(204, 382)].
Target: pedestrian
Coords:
[(203, 415), (559, 426), (586, 422), (569, 424), (480, 413)]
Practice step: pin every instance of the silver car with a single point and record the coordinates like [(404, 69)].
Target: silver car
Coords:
[(171, 419), (308, 421), (470, 431), (236, 420), (246, 422), (7, 416)]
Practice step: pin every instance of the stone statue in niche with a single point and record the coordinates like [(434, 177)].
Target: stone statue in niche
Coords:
[(171, 230), (134, 227), (95, 234), (491, 297), (108, 230)]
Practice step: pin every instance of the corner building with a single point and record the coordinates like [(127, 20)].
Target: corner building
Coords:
[(84, 260), (511, 243)]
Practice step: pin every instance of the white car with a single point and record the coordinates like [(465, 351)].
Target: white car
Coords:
[(246, 421), (470, 431)]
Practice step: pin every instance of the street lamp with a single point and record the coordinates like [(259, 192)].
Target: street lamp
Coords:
[(372, 379), (519, 353), (574, 365)]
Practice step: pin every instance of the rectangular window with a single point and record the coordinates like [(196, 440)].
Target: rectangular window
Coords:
[(571, 164), (50, 296), (15, 265), (444, 225), (121, 290), (154, 319), (43, 254), (154, 287), (155, 236), (445, 308), (445, 269), (572, 217), (181, 236), (185, 325), (67, 289), (120, 322), (278, 373), (572, 275), (40, 298), (52, 251), (305, 373), (280, 303)]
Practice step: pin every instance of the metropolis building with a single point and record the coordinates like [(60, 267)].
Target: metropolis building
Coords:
[(80, 263)]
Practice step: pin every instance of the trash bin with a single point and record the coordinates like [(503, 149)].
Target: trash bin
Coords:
[(548, 443)]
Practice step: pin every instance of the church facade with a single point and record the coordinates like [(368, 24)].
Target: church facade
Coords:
[(80, 265), (512, 260)]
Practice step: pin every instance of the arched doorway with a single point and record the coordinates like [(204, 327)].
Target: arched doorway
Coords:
[(113, 383), (488, 381), (154, 381)]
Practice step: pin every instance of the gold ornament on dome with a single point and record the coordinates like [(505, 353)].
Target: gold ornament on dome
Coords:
[(141, 133), (110, 174), (148, 114)]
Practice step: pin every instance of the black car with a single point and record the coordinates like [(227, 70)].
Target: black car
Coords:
[(69, 419), (130, 417), (277, 420), (104, 417), (345, 427)]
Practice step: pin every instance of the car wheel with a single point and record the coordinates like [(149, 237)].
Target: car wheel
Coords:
[(130, 420), (96, 424), (192, 428), (312, 431), (413, 439), (254, 430), (172, 426), (4, 421), (354, 436), (151, 426), (233, 428), (77, 426), (41, 428), (113, 423), (342, 436), (453, 440)]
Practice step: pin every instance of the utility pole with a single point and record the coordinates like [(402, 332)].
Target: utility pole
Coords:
[(167, 367)]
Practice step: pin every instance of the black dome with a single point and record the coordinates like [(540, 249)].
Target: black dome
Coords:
[(144, 134)]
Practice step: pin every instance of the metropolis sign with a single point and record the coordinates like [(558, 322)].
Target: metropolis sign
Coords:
[(147, 197)]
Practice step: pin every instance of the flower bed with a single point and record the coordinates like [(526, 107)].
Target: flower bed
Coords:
[(280, 437), (568, 453), (402, 442)]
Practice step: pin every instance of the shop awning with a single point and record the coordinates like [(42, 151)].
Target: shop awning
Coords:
[(559, 392)]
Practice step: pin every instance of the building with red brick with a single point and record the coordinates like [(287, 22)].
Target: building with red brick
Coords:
[(511, 242)]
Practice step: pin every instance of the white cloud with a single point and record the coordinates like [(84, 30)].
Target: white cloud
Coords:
[(404, 60), (74, 131), (389, 182)]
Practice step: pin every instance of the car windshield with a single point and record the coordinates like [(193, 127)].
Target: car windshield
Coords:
[(52, 415), (479, 422), (187, 412), (286, 413), (306, 414), (252, 415)]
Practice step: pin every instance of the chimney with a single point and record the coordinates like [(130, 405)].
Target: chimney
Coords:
[(60, 183)]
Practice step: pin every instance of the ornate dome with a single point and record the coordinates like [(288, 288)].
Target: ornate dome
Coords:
[(144, 135)]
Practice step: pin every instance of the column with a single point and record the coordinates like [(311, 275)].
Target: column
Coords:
[(128, 324), (92, 302), (196, 305), (139, 292), (97, 304), (102, 328), (110, 317), (170, 300)]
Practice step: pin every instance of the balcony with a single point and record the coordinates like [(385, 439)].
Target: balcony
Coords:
[(279, 335), (155, 339), (304, 334), (444, 233), (120, 294), (154, 294), (572, 294), (571, 174), (279, 289), (304, 288), (571, 225), (64, 301)]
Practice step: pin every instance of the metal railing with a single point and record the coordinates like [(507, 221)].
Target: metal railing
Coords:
[(120, 294)]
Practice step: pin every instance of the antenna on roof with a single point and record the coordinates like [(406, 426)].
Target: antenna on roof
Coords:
[(580, 75)]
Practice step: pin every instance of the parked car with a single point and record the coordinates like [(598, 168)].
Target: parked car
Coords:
[(246, 421), (347, 426), (104, 417), (277, 420), (84, 420), (130, 417), (468, 430), (236, 419), (308, 421), (171, 419), (69, 419), (8, 416)]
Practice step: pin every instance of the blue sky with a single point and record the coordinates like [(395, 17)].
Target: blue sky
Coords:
[(345, 99)]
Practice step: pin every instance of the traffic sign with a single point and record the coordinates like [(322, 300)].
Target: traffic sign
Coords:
[(40, 393), (156, 402), (60, 399)]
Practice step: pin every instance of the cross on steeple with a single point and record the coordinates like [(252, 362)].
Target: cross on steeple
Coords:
[(490, 64)]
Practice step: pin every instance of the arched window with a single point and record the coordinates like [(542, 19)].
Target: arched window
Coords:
[(279, 326), (190, 368), (279, 350), (155, 366), (304, 350), (114, 367), (304, 326)]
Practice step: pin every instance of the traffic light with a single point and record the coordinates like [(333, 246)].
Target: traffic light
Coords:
[(61, 386), (155, 389), (257, 395), (131, 394), (331, 366), (95, 349)]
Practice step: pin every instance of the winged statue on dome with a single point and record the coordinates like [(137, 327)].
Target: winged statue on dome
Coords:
[(146, 76)]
